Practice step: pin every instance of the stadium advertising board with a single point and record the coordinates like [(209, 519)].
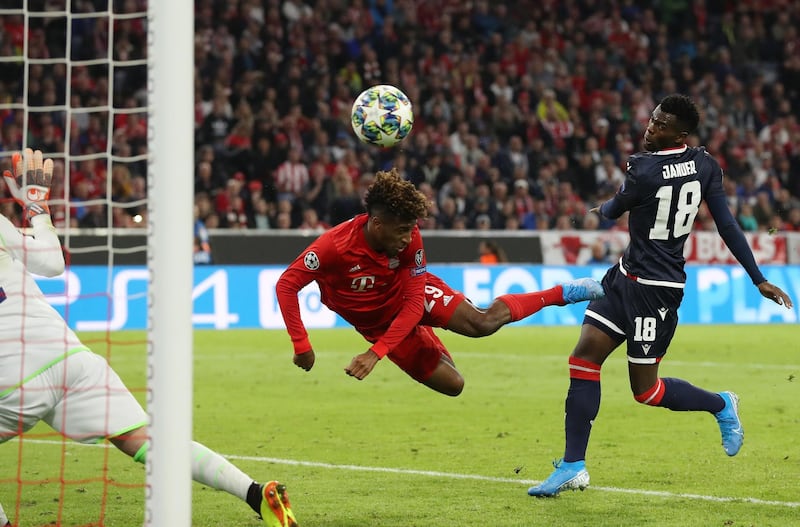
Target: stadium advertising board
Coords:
[(702, 247), (244, 296)]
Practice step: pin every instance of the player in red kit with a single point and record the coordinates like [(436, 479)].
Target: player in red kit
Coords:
[(371, 270)]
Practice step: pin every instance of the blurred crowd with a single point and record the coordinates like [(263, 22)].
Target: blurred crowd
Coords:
[(525, 111)]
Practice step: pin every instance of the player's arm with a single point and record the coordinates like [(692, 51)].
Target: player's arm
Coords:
[(301, 272), (734, 238), (625, 198), (411, 310), (29, 184), (414, 266)]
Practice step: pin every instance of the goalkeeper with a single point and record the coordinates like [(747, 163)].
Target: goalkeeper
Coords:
[(47, 374)]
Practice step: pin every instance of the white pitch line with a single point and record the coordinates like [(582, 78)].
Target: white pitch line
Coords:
[(455, 475), (526, 482)]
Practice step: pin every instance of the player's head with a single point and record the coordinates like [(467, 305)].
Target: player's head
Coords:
[(672, 121), (394, 206)]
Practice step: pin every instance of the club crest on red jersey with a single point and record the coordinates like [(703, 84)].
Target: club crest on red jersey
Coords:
[(394, 263)]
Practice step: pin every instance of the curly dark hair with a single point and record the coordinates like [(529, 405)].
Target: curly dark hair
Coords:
[(682, 107), (393, 195)]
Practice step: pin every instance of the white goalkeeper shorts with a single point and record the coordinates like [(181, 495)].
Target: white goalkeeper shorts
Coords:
[(80, 397)]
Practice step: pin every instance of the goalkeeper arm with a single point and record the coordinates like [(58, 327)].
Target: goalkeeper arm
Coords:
[(30, 186), (30, 182)]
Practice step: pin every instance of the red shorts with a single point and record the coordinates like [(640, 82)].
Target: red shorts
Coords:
[(419, 353), (441, 302)]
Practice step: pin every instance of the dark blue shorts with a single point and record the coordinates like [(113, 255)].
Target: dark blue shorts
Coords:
[(644, 315)]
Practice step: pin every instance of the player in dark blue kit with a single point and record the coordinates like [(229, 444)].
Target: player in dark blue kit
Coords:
[(663, 189)]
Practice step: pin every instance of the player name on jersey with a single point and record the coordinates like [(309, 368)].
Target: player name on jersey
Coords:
[(678, 170)]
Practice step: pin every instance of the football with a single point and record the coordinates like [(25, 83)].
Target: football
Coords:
[(382, 116)]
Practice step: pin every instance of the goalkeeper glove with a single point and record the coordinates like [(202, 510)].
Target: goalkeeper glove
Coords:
[(30, 182)]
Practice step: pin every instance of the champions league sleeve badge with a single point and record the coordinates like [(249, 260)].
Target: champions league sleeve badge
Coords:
[(419, 257), (311, 261)]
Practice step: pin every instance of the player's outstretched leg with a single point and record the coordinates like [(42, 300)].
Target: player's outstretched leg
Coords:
[(581, 290), (275, 508), (730, 426), (516, 306), (566, 476), (211, 469)]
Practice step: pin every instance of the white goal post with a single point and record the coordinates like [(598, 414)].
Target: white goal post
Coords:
[(170, 138), (170, 180)]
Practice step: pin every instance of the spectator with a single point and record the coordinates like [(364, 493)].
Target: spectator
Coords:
[(311, 221), (483, 216), (264, 161), (261, 215), (523, 202), (746, 218), (447, 213), (600, 254), (206, 181), (229, 205), (319, 190), (591, 222), (496, 95), (346, 201), (96, 216), (490, 253), (511, 223), (762, 210), (202, 247), (792, 222), (80, 195), (608, 175), (482, 223), (283, 220), (217, 124), (291, 177)]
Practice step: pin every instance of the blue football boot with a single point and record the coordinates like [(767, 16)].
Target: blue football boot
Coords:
[(582, 289), (730, 426), (566, 476)]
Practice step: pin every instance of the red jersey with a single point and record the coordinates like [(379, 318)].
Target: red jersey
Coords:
[(382, 297)]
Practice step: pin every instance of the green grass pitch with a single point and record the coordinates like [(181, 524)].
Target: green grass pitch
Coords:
[(388, 452)]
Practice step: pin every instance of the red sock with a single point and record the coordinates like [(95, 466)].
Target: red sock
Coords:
[(523, 305)]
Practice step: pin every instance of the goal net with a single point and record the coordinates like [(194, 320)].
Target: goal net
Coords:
[(79, 81)]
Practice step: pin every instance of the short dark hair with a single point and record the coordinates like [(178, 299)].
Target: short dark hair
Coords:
[(391, 194), (682, 107)]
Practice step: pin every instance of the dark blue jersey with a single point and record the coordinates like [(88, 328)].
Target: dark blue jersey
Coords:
[(663, 191)]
